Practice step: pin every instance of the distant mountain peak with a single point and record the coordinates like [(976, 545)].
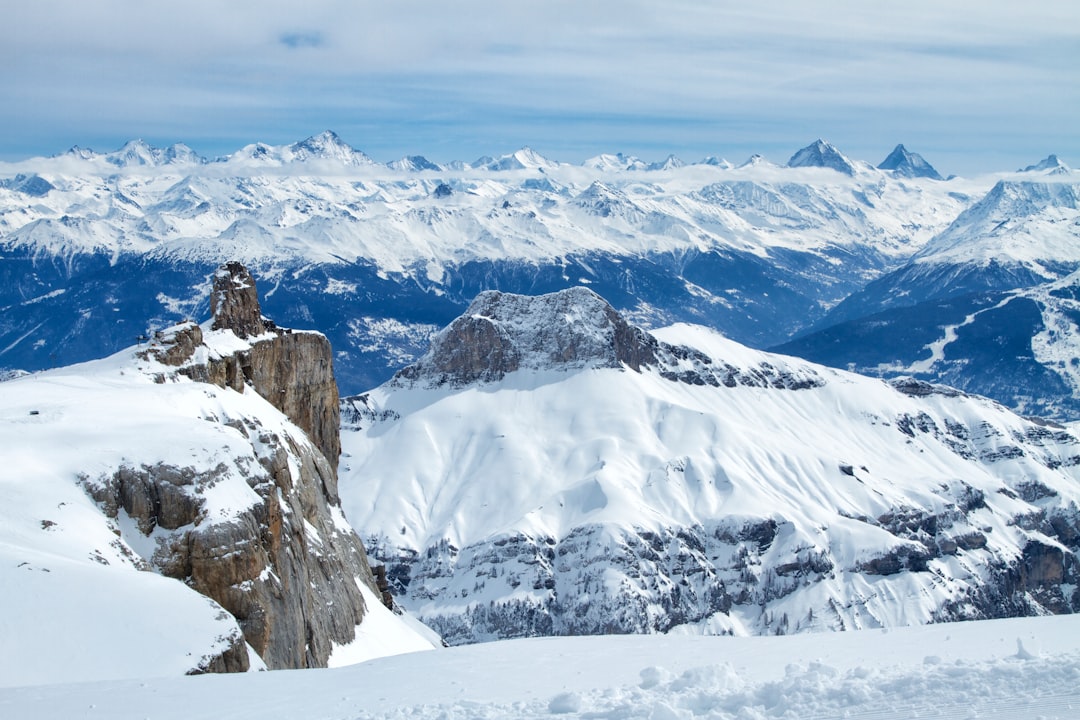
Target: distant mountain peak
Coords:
[(670, 163), (821, 154), (524, 159), (614, 162), (1049, 163), (754, 160), (414, 163), (908, 164), (327, 145)]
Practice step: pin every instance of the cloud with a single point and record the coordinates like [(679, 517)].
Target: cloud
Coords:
[(296, 40), (687, 76)]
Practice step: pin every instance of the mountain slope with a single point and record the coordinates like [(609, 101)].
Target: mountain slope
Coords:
[(1016, 347), (174, 508), (714, 487)]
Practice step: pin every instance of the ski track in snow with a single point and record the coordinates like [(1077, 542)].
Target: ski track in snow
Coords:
[(937, 348)]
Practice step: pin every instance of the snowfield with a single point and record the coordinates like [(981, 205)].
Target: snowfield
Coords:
[(1000, 669), (79, 601)]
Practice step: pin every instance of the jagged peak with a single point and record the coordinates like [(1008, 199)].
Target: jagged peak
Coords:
[(501, 333), (669, 163), (524, 159), (1051, 163), (234, 301), (327, 145), (614, 162), (414, 163), (755, 160), (822, 154), (904, 163), (716, 162), (573, 329)]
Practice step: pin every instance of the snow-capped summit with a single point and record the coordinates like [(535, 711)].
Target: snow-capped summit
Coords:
[(1016, 223), (821, 154), (413, 163), (327, 146), (139, 153), (908, 164), (1050, 165), (716, 162), (524, 159), (670, 163), (614, 162), (755, 160)]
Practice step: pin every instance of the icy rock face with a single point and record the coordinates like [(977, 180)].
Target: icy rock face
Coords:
[(821, 154), (287, 566), (568, 330), (501, 333)]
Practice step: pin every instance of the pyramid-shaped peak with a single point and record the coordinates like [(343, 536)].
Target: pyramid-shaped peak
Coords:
[(524, 159), (821, 154), (327, 145), (755, 160), (1050, 162), (904, 163), (670, 163)]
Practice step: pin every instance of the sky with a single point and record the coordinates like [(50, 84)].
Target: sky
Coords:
[(972, 85)]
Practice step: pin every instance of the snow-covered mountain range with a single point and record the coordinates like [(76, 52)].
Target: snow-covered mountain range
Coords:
[(989, 305), (97, 249), (548, 468)]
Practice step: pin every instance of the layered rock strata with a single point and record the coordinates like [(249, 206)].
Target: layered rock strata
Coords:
[(288, 565)]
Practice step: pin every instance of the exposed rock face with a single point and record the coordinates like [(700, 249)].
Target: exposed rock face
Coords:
[(567, 330), (234, 302), (501, 333), (294, 371), (287, 566)]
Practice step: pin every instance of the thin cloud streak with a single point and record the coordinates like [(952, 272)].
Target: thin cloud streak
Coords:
[(466, 76)]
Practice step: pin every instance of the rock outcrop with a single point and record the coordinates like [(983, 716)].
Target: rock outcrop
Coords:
[(573, 329), (287, 566), (292, 370)]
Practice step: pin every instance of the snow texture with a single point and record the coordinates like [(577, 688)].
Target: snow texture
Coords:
[(1002, 669)]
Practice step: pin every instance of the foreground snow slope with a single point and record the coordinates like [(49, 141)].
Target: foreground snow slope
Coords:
[(524, 478), (117, 473), (1000, 669)]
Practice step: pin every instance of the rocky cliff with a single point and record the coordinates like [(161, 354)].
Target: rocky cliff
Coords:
[(284, 563), (574, 329)]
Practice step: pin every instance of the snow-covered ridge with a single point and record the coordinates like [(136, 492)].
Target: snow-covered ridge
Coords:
[(592, 498)]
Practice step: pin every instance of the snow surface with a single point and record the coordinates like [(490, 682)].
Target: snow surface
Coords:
[(446, 475), (1020, 668), (78, 601)]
